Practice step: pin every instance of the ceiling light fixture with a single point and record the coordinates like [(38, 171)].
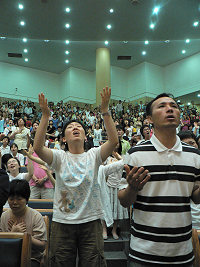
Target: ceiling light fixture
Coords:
[(111, 10), (183, 51), (125, 42), (67, 9), (3, 38), (67, 26), (167, 41), (67, 52), (26, 59), (20, 6), (67, 42), (156, 10), (25, 50), (108, 26), (187, 41), (144, 53), (146, 42), (24, 40), (196, 23), (67, 61), (106, 42), (22, 23), (46, 40), (152, 26)]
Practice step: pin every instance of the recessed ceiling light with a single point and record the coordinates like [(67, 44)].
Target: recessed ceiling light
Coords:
[(26, 59), (156, 10), (144, 53), (22, 23), (67, 61), (67, 25), (20, 6), (25, 50), (125, 42), (108, 26), (146, 42), (183, 51), (3, 38), (187, 41), (111, 10), (67, 41), (67, 52), (106, 42), (46, 41), (67, 9), (196, 23), (24, 40), (152, 26), (167, 41)]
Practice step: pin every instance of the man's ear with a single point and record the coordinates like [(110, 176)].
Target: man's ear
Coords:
[(64, 140), (150, 119)]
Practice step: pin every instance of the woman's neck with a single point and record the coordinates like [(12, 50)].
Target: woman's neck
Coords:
[(20, 213)]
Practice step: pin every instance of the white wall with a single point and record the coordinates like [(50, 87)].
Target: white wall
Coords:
[(29, 83), (154, 80), (183, 77), (119, 83)]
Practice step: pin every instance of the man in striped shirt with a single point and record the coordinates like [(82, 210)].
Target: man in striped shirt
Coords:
[(162, 176)]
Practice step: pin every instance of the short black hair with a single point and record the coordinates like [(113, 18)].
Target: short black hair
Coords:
[(14, 144), (21, 188), (13, 158), (6, 137), (119, 127), (4, 160), (187, 134), (149, 105), (142, 129)]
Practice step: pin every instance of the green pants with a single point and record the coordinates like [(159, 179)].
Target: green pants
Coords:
[(69, 240)]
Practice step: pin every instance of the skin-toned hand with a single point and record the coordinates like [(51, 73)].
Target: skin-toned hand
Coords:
[(105, 98), (10, 224), (29, 152), (43, 105), (137, 177), (116, 155), (20, 227)]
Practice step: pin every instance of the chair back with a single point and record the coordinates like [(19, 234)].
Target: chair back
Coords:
[(15, 249)]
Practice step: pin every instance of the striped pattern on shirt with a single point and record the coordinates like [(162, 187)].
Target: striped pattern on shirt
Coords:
[(161, 230)]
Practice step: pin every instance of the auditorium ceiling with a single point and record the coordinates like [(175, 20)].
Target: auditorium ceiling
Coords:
[(47, 24)]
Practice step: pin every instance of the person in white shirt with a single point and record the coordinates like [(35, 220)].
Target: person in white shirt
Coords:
[(77, 205), (5, 148)]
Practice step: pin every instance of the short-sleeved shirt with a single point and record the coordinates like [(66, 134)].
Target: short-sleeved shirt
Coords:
[(21, 138), (35, 226), (77, 191)]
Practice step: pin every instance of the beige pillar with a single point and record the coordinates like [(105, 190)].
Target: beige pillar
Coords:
[(102, 71)]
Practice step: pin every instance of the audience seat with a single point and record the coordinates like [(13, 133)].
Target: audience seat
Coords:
[(23, 169), (46, 212), (15, 249), (196, 248), (40, 203)]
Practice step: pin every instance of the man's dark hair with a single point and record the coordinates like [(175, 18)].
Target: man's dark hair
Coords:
[(187, 134), (120, 127), (19, 187), (149, 105), (142, 129), (6, 137)]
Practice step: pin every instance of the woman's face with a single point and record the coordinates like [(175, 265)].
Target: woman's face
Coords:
[(12, 165), (17, 203), (20, 122), (14, 149)]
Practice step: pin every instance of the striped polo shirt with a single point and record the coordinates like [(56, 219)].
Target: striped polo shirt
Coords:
[(161, 231)]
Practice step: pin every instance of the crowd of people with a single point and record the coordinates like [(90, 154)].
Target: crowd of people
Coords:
[(75, 154)]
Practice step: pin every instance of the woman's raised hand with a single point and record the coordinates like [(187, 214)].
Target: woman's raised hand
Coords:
[(43, 105)]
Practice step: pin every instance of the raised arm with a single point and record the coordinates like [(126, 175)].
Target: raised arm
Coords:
[(108, 147), (29, 154), (43, 152), (30, 169)]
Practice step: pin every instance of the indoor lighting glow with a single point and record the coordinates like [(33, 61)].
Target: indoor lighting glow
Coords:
[(196, 23), (156, 10), (67, 61), (106, 42), (67, 52), (24, 40), (25, 50), (67, 9), (183, 52), (198, 95), (111, 10), (178, 101), (67, 41), (3, 38), (22, 23), (20, 6), (46, 41), (146, 42), (26, 59), (67, 26), (152, 26), (167, 41), (144, 53), (189, 103), (108, 26), (187, 41)]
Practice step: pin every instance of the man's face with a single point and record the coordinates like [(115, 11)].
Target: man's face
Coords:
[(146, 132), (165, 113), (120, 132), (190, 141)]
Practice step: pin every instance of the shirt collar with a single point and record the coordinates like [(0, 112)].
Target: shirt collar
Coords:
[(160, 147)]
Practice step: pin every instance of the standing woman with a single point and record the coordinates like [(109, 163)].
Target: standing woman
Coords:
[(21, 136), (76, 225)]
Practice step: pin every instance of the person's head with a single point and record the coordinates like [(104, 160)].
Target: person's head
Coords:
[(51, 123), (73, 132), (14, 148), (35, 126), (4, 160), (118, 148), (10, 122), (145, 132), (19, 195), (13, 165), (97, 126), (5, 141), (163, 111), (120, 130), (188, 137), (21, 122)]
